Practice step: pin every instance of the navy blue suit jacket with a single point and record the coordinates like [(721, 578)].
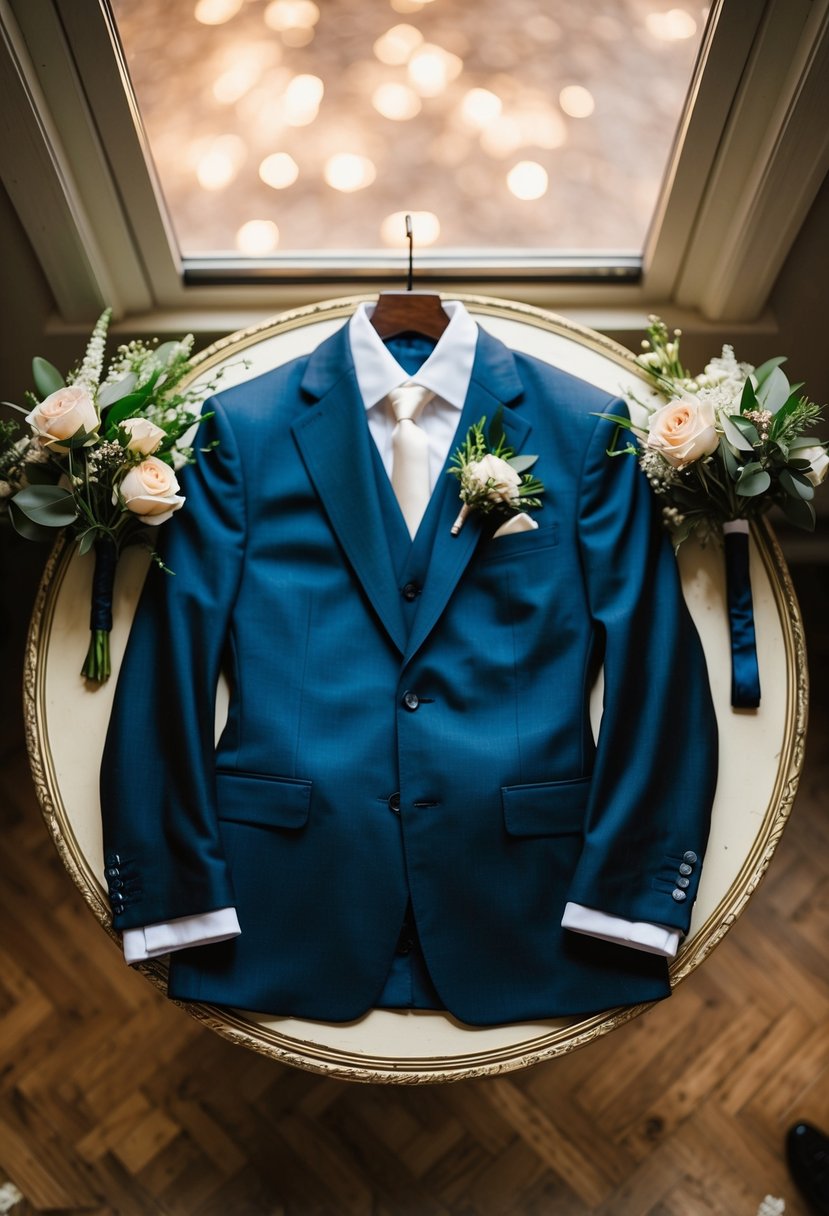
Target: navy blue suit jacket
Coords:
[(469, 699)]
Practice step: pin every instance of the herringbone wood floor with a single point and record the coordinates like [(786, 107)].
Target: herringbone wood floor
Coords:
[(114, 1101)]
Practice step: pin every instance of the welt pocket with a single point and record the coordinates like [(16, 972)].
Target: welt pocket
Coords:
[(546, 808), (262, 800), (497, 548)]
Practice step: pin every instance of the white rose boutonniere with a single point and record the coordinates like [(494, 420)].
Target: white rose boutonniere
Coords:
[(492, 477), (150, 489)]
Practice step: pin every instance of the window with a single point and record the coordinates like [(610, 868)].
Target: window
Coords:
[(522, 127), (703, 214)]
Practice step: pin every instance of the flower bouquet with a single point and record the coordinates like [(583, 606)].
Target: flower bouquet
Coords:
[(729, 444), (101, 458)]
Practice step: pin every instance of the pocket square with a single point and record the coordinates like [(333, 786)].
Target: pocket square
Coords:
[(517, 523)]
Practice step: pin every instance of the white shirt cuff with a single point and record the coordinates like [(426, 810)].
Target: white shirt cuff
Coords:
[(150, 941), (640, 935)]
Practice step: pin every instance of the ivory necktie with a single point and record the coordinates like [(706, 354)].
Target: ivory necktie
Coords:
[(410, 453)]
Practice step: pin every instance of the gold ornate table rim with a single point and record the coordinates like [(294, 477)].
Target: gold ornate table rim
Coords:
[(337, 1062)]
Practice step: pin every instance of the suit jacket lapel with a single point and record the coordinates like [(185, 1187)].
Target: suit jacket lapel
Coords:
[(334, 441), (494, 382)]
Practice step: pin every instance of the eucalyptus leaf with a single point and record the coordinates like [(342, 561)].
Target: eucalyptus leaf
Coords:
[(114, 392), (521, 463), (52, 506), (734, 435), (754, 482), (46, 376), (730, 461), (747, 429), (774, 392), (85, 541), (799, 512), (796, 484), (803, 441), (762, 372), (26, 527)]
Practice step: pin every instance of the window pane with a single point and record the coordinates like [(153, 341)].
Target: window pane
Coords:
[(310, 125)]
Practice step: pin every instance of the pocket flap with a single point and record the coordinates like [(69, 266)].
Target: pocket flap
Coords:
[(268, 802), (547, 808)]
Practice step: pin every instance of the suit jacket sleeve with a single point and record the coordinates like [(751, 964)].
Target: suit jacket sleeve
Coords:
[(655, 765), (162, 849)]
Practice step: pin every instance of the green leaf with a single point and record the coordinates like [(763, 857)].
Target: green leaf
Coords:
[(754, 480), (796, 485), (496, 428), (747, 429), (729, 460), (800, 513), (774, 391), (521, 463), (85, 541), (803, 441), (762, 372), (26, 527), (748, 400), (734, 434), (126, 407), (114, 392), (52, 506), (46, 376)]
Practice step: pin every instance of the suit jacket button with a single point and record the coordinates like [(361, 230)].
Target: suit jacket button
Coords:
[(411, 700), (678, 895), (683, 882), (394, 803), (411, 591), (690, 857), (685, 868)]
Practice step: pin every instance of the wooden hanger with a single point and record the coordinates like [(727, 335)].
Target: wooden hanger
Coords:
[(399, 312)]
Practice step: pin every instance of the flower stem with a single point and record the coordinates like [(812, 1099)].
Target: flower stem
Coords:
[(459, 522), (97, 666)]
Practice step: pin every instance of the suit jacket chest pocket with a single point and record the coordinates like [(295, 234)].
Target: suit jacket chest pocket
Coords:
[(495, 550)]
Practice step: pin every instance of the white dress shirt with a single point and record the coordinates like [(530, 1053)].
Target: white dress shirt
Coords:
[(447, 372)]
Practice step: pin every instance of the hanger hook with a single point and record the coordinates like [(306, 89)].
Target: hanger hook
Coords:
[(410, 238)]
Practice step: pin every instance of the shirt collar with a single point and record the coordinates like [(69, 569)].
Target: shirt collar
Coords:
[(446, 372)]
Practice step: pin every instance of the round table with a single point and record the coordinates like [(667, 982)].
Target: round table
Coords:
[(761, 750)]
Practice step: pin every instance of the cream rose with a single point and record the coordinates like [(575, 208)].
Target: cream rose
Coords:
[(145, 436), (504, 477), (62, 414), (819, 461), (150, 490), (683, 431)]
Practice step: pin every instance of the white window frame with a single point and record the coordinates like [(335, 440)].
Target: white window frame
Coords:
[(751, 152)]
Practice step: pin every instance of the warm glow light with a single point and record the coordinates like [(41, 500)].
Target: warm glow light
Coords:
[(672, 26), (408, 6), (348, 172), (501, 137), (216, 12), (257, 237), (543, 128), (297, 37), (576, 101), (397, 44), (425, 228), (281, 15), (301, 100), (243, 68), (279, 170), (396, 101), (528, 180), (431, 68), (220, 163), (480, 107)]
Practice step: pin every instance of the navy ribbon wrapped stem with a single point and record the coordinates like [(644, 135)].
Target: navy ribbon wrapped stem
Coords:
[(745, 672), (103, 581)]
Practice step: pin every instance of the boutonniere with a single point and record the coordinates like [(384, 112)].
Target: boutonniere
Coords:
[(492, 477)]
